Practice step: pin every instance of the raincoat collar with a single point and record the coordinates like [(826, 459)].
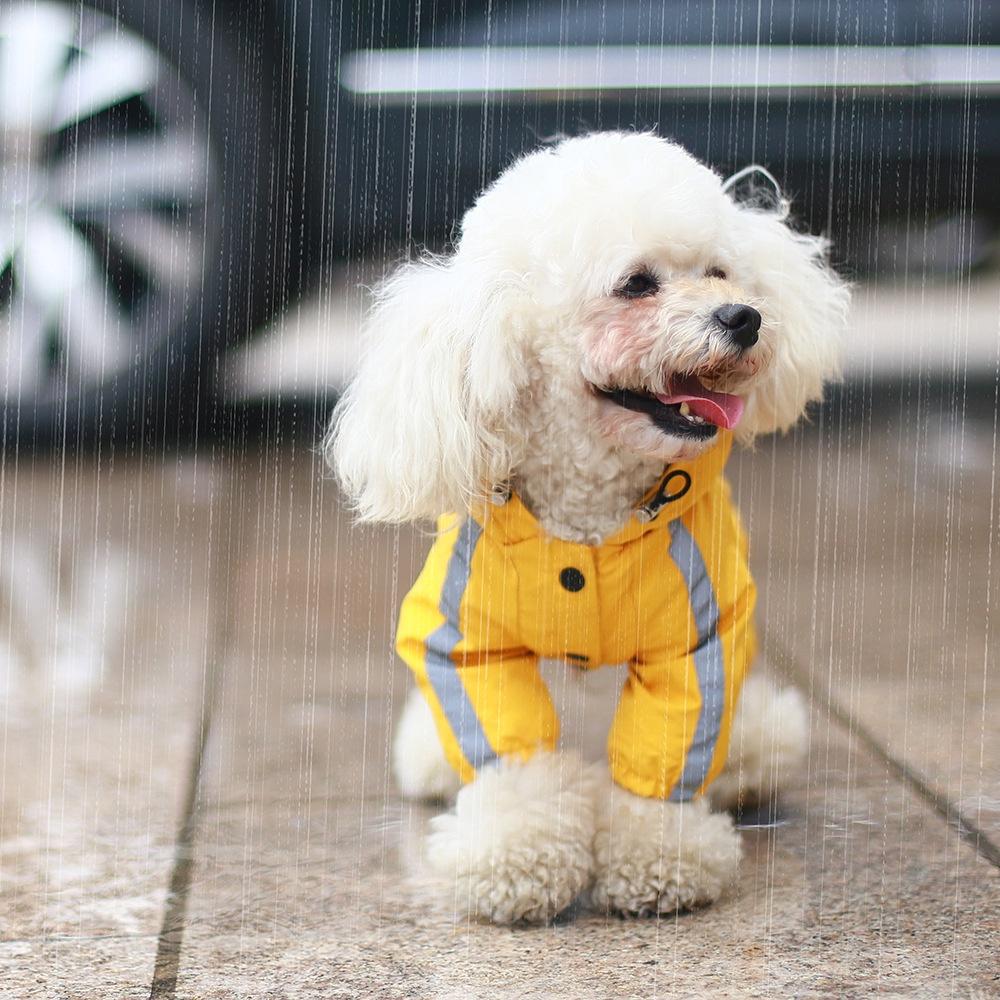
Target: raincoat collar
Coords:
[(676, 491)]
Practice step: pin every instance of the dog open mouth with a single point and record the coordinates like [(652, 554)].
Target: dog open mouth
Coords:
[(688, 410)]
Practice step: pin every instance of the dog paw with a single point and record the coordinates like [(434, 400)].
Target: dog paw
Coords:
[(418, 762), (518, 845), (768, 746), (653, 857)]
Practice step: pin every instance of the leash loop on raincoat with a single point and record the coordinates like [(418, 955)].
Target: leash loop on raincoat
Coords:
[(662, 497), (500, 494)]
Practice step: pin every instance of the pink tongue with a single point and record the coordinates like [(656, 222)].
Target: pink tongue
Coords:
[(719, 408)]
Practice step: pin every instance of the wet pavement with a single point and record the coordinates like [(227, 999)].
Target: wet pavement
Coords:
[(197, 690)]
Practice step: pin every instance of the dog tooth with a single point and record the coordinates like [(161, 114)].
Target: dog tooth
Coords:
[(684, 409)]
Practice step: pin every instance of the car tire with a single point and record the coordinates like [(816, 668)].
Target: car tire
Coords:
[(137, 146)]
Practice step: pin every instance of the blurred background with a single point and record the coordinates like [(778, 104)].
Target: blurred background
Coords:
[(196, 677), (177, 176)]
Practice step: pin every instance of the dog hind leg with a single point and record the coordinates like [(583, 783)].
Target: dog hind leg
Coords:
[(768, 746), (418, 762)]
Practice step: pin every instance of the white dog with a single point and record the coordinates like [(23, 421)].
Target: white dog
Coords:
[(609, 312)]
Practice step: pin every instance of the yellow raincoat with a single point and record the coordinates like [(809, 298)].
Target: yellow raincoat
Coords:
[(670, 595)]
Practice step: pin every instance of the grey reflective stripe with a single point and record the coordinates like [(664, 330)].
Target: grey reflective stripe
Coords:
[(708, 661), (441, 669)]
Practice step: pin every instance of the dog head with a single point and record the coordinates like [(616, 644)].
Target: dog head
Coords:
[(612, 272)]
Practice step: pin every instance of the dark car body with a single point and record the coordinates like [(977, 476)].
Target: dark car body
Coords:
[(338, 130), (868, 113)]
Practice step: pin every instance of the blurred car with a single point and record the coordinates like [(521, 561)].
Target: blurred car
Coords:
[(173, 173), (867, 112), (148, 174)]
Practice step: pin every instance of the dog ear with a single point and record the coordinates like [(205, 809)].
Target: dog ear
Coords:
[(421, 430), (807, 306)]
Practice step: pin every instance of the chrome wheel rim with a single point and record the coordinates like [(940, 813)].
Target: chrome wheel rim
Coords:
[(107, 184)]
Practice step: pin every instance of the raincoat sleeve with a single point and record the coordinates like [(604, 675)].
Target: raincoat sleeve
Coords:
[(458, 634), (671, 732)]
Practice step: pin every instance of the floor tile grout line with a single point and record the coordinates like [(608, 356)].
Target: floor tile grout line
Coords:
[(171, 935), (967, 830)]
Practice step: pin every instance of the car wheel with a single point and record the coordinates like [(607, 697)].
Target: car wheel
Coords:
[(127, 229)]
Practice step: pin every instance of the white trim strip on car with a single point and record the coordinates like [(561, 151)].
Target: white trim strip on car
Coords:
[(470, 73)]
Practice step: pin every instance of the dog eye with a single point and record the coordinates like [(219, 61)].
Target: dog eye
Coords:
[(638, 286), (716, 272)]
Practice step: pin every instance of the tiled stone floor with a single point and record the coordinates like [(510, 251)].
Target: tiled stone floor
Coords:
[(197, 691)]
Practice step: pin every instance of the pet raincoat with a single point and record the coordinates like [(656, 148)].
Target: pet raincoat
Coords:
[(670, 596)]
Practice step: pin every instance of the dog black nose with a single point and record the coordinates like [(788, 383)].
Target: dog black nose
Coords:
[(739, 321)]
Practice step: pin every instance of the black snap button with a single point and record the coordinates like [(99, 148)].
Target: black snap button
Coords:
[(572, 579)]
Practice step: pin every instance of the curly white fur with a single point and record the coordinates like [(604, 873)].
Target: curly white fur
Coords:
[(654, 857), (485, 367), (519, 844), (478, 365), (767, 748)]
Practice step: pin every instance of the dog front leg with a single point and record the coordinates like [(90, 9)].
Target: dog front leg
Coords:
[(658, 847), (656, 857), (518, 846)]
